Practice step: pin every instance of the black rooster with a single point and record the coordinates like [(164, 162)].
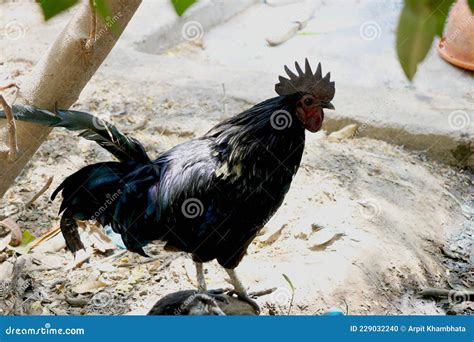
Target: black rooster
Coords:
[(208, 196)]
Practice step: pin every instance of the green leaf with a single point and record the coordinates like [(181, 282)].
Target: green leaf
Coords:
[(106, 16), (102, 8), (471, 5), (52, 7), (289, 282), (415, 34), (180, 6), (27, 238), (25, 244), (441, 11)]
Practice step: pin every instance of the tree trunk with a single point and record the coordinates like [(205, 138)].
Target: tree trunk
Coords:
[(62, 73)]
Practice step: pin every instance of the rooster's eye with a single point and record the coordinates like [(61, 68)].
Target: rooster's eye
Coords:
[(308, 101)]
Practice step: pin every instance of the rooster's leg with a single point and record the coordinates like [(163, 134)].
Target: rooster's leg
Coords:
[(216, 294), (200, 277), (240, 291)]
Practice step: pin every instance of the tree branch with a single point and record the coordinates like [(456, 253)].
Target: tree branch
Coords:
[(39, 193), (12, 138), (61, 75)]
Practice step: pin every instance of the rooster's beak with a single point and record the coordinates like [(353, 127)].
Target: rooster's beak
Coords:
[(327, 105)]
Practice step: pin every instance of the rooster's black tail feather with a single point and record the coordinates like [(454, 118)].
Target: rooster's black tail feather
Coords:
[(105, 134), (93, 192)]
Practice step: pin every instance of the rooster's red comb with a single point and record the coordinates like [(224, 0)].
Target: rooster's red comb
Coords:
[(306, 82)]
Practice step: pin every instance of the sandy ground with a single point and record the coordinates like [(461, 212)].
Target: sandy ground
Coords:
[(365, 226)]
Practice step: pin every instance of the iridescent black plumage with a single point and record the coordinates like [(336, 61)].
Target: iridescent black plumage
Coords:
[(236, 176), (208, 196)]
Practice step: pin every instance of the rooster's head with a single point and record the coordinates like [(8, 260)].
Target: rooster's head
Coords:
[(313, 91)]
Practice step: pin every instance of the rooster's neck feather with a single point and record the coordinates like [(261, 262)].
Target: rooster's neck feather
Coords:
[(250, 143)]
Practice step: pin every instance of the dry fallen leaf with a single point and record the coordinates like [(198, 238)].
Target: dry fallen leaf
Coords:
[(155, 265), (4, 241), (80, 258), (6, 271), (274, 237), (15, 230), (344, 133), (88, 286), (106, 267), (322, 246), (101, 241), (46, 261)]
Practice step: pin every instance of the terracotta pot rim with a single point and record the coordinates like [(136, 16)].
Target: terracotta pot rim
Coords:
[(451, 59)]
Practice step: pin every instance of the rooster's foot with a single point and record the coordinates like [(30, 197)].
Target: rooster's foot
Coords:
[(240, 290), (219, 294)]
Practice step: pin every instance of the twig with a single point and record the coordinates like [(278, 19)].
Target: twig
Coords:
[(39, 193), (11, 85), (139, 126), (263, 292), (147, 261), (109, 258), (12, 138), (45, 237), (8, 86), (93, 28), (165, 264)]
